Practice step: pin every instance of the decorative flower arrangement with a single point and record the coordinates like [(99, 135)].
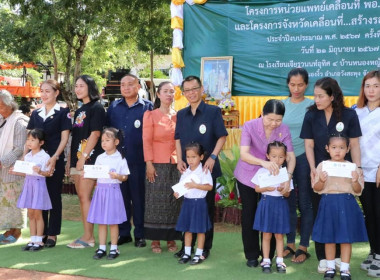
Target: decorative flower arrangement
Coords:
[(228, 196), (226, 104)]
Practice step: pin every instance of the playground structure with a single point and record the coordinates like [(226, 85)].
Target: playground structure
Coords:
[(25, 89)]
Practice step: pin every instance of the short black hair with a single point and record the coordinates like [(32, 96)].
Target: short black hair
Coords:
[(191, 78)]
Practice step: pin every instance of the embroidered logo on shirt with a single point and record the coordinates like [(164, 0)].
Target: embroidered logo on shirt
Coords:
[(202, 129), (79, 121)]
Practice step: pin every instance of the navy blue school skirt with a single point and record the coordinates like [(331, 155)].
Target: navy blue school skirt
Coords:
[(272, 215), (194, 216), (339, 220)]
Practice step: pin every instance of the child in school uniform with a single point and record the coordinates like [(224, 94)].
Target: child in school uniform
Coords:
[(193, 217), (107, 205), (339, 219), (35, 196), (272, 214)]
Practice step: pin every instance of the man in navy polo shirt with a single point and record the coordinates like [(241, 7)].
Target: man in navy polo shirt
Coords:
[(127, 114), (204, 124)]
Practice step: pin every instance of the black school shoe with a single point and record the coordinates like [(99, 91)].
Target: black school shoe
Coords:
[(140, 243), (36, 247), (329, 274), (184, 259), (27, 247), (99, 254), (197, 260), (113, 254)]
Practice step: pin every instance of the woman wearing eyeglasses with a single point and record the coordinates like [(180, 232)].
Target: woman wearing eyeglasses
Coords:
[(256, 135)]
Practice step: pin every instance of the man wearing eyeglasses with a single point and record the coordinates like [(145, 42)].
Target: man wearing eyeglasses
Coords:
[(202, 123)]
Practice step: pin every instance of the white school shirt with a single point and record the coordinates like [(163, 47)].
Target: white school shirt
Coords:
[(116, 163), (369, 141), (205, 179), (263, 170), (40, 159)]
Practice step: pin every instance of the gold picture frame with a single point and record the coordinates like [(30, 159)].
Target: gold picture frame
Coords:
[(216, 76)]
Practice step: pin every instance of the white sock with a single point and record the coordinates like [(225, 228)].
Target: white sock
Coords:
[(266, 260), (331, 264), (33, 238), (376, 256), (102, 247), (188, 250), (39, 238), (344, 266), (199, 252), (279, 260), (113, 247)]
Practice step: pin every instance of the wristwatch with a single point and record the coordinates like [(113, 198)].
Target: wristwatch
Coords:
[(85, 155), (214, 157)]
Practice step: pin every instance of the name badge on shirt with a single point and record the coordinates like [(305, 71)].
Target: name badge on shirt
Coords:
[(339, 127), (137, 123), (202, 129)]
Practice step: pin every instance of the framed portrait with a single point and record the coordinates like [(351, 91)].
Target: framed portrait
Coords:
[(216, 76)]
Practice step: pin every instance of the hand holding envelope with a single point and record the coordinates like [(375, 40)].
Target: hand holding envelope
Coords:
[(181, 189), (23, 167), (338, 169), (96, 171), (268, 180)]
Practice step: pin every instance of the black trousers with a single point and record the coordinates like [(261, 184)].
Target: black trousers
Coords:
[(370, 200), (53, 217), (320, 247), (251, 243), (133, 191)]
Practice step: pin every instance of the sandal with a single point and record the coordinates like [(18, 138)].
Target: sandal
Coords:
[(298, 253), (156, 247), (290, 254), (172, 246), (80, 244)]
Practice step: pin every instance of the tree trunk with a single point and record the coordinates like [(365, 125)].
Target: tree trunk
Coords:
[(78, 54), (67, 90), (152, 90), (55, 62)]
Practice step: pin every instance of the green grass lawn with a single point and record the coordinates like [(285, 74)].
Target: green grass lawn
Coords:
[(226, 260)]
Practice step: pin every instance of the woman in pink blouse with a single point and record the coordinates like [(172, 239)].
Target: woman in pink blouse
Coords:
[(256, 135), (161, 208)]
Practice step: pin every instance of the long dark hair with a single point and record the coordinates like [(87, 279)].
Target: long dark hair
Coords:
[(295, 72), (332, 88), (157, 101), (278, 144), (93, 91)]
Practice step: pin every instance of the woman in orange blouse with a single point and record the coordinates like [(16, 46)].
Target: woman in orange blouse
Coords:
[(161, 208)]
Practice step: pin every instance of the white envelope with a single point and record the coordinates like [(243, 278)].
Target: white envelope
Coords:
[(24, 167), (180, 187), (338, 169), (96, 171), (268, 180)]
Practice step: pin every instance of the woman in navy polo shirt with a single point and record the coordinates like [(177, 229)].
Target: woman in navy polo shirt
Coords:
[(327, 116), (56, 123)]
